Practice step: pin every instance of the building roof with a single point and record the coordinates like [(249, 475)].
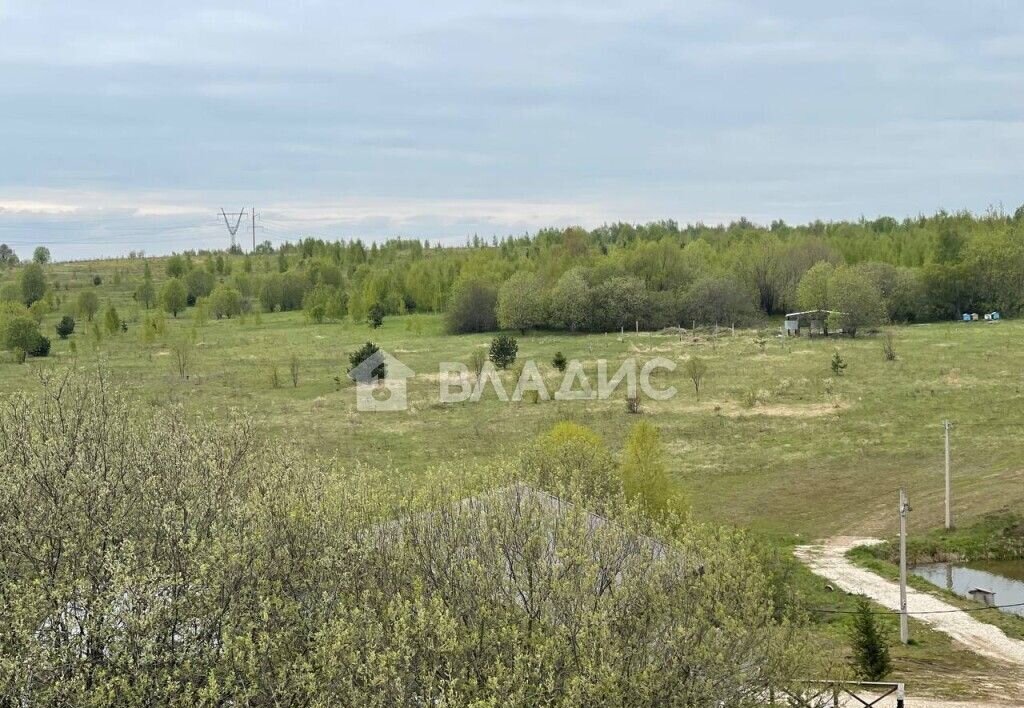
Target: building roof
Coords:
[(814, 312)]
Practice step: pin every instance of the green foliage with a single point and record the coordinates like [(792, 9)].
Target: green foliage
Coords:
[(88, 304), (19, 333), (97, 280), (41, 255), (571, 460), (644, 477), (66, 326), (174, 296), (146, 293), (111, 320), (695, 369), (225, 301), (176, 267), (503, 351), (521, 303), (472, 307), (870, 642), (200, 283), (305, 587), (33, 283), (559, 362), (375, 315), (858, 302), (362, 354), (838, 364)]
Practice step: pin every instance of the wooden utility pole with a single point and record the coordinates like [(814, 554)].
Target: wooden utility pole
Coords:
[(904, 510), (949, 503), (254, 229)]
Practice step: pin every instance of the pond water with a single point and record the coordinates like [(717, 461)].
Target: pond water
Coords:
[(1004, 578)]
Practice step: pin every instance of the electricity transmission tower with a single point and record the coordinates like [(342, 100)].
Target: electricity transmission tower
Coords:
[(234, 229)]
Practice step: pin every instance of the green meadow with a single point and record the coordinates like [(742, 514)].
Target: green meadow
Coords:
[(776, 441)]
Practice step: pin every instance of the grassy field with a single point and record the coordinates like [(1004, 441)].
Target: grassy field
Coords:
[(775, 442)]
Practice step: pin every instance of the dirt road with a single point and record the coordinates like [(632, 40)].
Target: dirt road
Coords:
[(829, 560)]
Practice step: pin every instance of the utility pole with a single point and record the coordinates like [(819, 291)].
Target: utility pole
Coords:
[(254, 229), (949, 503), (232, 229), (904, 510)]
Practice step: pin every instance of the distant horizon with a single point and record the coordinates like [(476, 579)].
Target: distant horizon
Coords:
[(130, 127), (221, 243)]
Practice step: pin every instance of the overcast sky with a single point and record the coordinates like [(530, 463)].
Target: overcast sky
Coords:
[(128, 125)]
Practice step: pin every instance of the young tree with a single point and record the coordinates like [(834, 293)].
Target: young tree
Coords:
[(8, 258), (33, 283), (88, 304), (111, 320), (146, 293), (20, 333), (559, 361), (362, 354), (870, 644), (503, 351), (521, 303), (644, 477), (174, 296), (41, 255), (696, 368)]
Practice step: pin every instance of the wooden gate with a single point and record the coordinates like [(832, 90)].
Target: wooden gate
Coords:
[(843, 694)]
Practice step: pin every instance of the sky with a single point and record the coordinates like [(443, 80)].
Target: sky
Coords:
[(129, 125)]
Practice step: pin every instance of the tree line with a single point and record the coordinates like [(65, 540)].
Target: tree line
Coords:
[(620, 276)]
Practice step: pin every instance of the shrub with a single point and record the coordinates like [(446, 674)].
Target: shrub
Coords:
[(41, 348), (19, 332), (477, 360), (111, 320), (375, 315), (97, 280), (503, 351), (889, 346), (644, 477), (870, 644), (572, 460), (293, 370), (362, 354), (559, 361), (225, 301), (66, 326), (633, 404)]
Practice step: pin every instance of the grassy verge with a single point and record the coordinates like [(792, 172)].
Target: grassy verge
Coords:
[(998, 536), (1012, 625)]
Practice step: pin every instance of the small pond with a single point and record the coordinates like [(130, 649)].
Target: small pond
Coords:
[(1004, 578)]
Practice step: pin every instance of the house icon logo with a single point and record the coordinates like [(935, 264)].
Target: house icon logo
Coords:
[(380, 383)]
